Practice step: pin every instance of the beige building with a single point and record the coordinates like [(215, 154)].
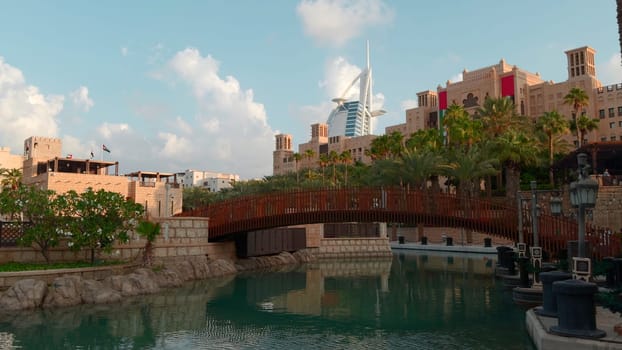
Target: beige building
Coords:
[(531, 94), (42, 165)]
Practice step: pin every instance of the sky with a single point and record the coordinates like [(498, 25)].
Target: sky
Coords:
[(205, 85)]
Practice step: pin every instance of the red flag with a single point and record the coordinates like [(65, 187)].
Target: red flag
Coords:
[(105, 148)]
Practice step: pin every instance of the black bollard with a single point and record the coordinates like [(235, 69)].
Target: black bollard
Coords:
[(500, 251), (508, 262), (400, 239), (549, 299), (610, 272), (424, 240), (487, 242), (523, 262), (450, 241), (576, 312)]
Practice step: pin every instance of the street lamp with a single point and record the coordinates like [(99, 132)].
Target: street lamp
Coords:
[(583, 193), (556, 205), (534, 213)]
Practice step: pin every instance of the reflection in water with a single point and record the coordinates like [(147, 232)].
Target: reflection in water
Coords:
[(412, 300)]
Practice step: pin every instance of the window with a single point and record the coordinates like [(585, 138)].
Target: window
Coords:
[(613, 138), (612, 125), (604, 138), (601, 113), (619, 110), (620, 124), (611, 112)]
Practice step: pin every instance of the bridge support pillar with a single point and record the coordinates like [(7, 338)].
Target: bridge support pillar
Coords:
[(382, 229)]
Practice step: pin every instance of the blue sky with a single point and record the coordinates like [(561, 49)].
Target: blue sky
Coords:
[(169, 86)]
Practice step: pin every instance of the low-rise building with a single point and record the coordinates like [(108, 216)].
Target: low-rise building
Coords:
[(43, 166), (212, 181)]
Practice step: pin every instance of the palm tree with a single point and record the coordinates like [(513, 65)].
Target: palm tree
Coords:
[(467, 167), (577, 99), (431, 139), (515, 149), (379, 148), (309, 154), (346, 158), (11, 178), (582, 125), (552, 124), (323, 162), (499, 115), (297, 158), (461, 129), (333, 158)]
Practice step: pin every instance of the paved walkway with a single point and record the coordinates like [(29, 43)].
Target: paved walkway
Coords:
[(611, 323)]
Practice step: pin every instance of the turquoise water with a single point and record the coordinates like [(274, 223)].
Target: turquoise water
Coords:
[(413, 301)]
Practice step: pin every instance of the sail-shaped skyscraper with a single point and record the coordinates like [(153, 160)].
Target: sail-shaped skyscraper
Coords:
[(353, 118)]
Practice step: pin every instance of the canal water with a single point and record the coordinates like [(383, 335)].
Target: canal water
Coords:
[(412, 301)]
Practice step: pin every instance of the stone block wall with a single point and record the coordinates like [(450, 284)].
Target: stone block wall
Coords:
[(354, 247)]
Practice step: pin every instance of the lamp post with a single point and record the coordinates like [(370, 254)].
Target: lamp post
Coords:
[(534, 213), (583, 193)]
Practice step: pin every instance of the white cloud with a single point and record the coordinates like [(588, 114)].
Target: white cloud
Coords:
[(124, 51), (334, 22), (456, 78), (175, 146), (231, 133), (338, 76), (408, 104), (611, 71), (81, 99), (107, 130), (24, 111)]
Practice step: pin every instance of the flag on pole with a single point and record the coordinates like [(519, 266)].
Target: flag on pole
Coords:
[(92, 155), (105, 149)]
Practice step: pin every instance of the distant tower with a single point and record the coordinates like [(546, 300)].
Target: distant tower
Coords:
[(282, 156), (581, 62), (353, 118)]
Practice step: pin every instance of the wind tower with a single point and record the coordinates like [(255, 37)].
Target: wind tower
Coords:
[(354, 118)]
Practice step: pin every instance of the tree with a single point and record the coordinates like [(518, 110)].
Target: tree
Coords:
[(346, 158), (11, 178), (467, 167), (297, 158), (99, 219), (333, 158), (460, 128), (323, 163), (499, 115), (46, 214), (552, 124), (150, 231), (582, 125), (309, 154), (577, 99), (515, 150)]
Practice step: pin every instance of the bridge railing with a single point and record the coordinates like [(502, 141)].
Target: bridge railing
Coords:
[(401, 205)]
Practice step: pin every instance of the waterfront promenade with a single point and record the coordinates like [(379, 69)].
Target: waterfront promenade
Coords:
[(537, 326)]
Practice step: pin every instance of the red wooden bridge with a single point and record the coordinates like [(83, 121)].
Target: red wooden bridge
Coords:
[(398, 205)]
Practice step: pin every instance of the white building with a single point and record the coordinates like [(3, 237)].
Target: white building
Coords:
[(212, 181), (353, 118)]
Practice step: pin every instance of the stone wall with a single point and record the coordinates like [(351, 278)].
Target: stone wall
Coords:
[(179, 238), (354, 247)]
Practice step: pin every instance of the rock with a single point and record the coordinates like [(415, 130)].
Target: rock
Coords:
[(64, 291), (184, 270), (221, 267), (95, 292), (200, 268), (168, 278), (132, 284), (24, 294)]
